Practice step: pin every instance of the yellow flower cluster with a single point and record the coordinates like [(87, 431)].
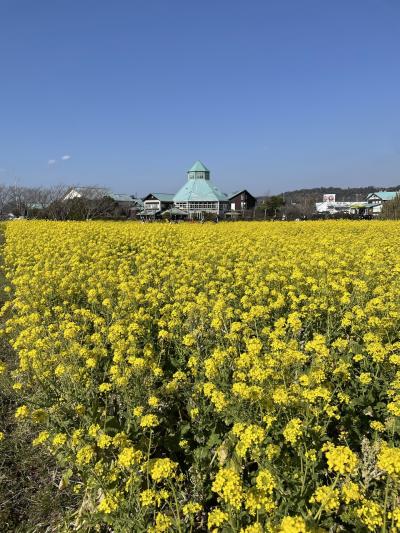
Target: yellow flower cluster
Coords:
[(328, 497), (293, 430), (216, 518), (107, 505), (129, 456), (341, 459), (293, 524), (371, 515), (351, 492), (242, 376), (389, 460), (228, 485), (162, 469)]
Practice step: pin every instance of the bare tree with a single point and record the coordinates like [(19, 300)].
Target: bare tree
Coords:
[(30, 201), (99, 207), (58, 202), (391, 209), (52, 199), (17, 202), (5, 197), (85, 203)]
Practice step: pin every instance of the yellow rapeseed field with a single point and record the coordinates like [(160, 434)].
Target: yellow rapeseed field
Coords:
[(232, 377)]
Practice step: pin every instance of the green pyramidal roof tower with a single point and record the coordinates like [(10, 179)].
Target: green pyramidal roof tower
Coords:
[(198, 167), (199, 171), (199, 188)]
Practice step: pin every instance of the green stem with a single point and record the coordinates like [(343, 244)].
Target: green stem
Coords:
[(383, 529), (319, 512), (176, 514), (148, 459)]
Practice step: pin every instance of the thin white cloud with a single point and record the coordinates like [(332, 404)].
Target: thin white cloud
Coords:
[(66, 157), (51, 162)]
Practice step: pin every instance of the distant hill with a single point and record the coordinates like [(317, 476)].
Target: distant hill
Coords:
[(351, 194)]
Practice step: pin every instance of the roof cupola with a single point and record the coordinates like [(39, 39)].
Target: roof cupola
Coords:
[(198, 172)]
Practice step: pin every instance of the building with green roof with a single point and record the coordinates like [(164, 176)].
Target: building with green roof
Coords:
[(377, 199), (199, 195), (155, 203)]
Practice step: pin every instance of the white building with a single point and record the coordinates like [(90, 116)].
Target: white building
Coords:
[(97, 193), (352, 208), (155, 203), (333, 207), (377, 199)]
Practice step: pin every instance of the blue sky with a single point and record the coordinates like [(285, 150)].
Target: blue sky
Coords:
[(271, 95)]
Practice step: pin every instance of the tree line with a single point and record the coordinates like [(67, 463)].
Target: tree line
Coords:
[(51, 203), (391, 209)]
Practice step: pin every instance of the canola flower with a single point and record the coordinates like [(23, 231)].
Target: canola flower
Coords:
[(293, 430), (340, 459), (162, 469), (22, 412), (389, 460), (107, 505), (149, 421), (328, 497), (351, 492), (227, 484), (129, 456), (217, 518), (371, 515), (293, 524), (242, 376)]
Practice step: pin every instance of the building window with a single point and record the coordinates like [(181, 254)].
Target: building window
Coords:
[(151, 204), (203, 205)]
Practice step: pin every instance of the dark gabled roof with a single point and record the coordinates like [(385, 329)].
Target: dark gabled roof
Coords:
[(236, 193), (162, 196), (384, 195)]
